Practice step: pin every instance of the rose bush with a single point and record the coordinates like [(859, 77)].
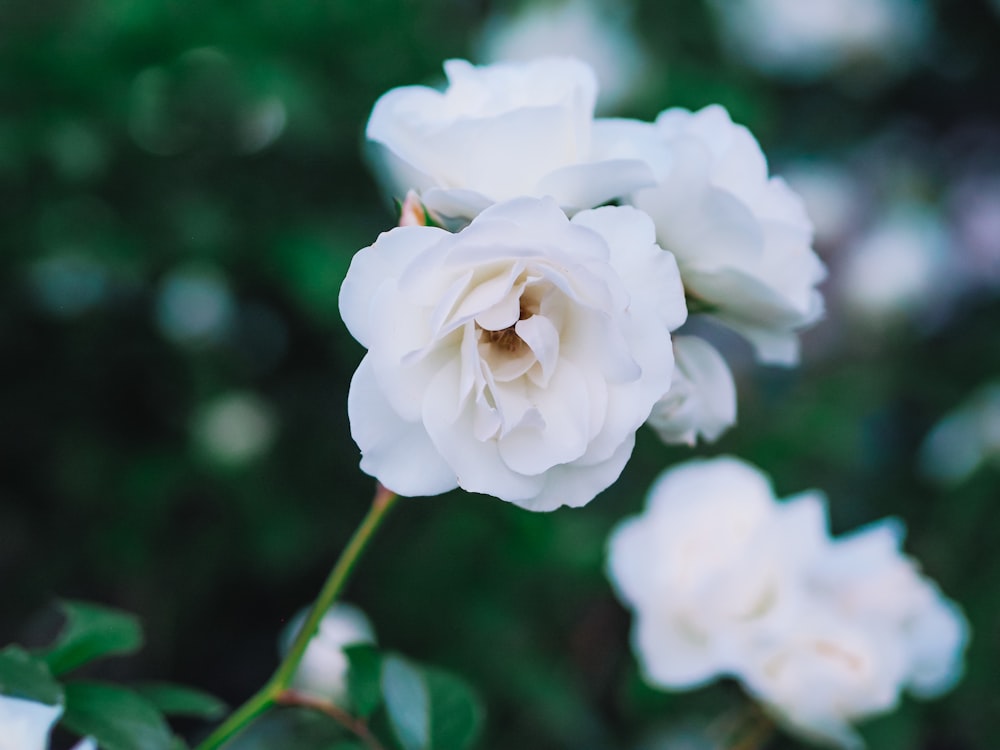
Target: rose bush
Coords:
[(742, 239), (496, 133), (515, 358)]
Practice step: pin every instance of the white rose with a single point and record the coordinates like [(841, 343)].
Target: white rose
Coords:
[(516, 358), (824, 674), (702, 397), (25, 725), (496, 133), (742, 239), (710, 568), (322, 673), (869, 581)]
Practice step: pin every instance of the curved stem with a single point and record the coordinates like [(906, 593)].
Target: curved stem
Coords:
[(357, 727), (271, 693)]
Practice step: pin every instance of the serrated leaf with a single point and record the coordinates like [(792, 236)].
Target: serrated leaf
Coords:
[(456, 713), (364, 675), (407, 702), (92, 632), (116, 717), (179, 700), (25, 676)]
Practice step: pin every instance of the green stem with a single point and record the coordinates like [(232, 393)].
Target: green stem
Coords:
[(280, 681)]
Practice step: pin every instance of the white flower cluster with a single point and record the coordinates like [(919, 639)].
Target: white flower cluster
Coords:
[(725, 580), (518, 355), (26, 724)]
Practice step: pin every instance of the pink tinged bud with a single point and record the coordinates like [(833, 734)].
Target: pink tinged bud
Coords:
[(412, 213)]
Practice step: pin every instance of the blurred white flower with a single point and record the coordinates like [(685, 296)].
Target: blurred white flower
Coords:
[(868, 580), (804, 41), (516, 358), (832, 197), (194, 305), (725, 580), (964, 439), (496, 133), (899, 269), (825, 673), (595, 31), (701, 401), (25, 724), (234, 428), (322, 673), (975, 205), (710, 569), (741, 238)]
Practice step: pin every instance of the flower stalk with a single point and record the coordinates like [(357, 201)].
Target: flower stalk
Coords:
[(273, 692)]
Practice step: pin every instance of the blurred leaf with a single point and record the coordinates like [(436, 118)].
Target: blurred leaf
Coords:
[(407, 702), (313, 263), (24, 676), (179, 700), (116, 717), (364, 678), (92, 632), (429, 709), (456, 712)]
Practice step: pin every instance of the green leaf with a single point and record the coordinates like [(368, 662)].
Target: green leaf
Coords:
[(429, 709), (116, 717), (178, 700), (456, 712), (407, 702), (92, 632), (25, 676), (364, 678)]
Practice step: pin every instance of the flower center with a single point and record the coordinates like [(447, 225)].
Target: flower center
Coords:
[(506, 339)]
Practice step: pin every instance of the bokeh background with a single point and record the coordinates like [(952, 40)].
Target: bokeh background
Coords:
[(182, 186)]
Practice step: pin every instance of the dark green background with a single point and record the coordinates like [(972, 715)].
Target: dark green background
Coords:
[(120, 145)]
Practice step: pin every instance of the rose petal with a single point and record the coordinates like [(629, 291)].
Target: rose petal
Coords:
[(397, 452)]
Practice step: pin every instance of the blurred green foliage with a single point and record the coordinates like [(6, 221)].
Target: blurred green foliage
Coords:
[(182, 187)]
